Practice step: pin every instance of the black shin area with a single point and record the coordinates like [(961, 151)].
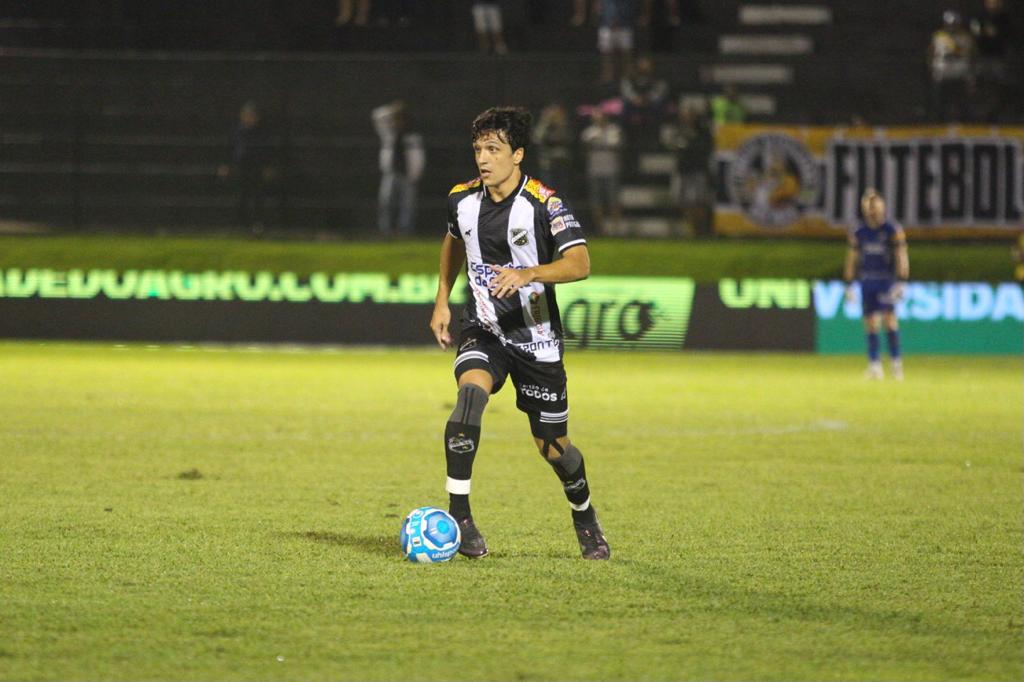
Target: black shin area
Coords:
[(461, 438), (570, 468)]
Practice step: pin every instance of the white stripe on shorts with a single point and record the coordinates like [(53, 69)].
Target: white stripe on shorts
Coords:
[(554, 417), (471, 355)]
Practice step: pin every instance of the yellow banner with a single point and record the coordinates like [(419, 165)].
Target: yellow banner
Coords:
[(938, 181)]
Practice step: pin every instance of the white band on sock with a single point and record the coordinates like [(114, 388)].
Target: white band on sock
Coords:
[(579, 507), (459, 487)]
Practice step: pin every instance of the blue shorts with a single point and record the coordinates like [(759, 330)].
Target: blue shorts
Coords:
[(876, 296)]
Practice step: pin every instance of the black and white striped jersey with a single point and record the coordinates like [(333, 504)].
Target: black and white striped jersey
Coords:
[(527, 228)]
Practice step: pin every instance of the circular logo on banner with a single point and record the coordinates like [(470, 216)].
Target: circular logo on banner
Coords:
[(774, 179)]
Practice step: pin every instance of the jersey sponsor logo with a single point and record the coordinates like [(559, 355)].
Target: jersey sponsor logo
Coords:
[(463, 186), (566, 221), (554, 205), (520, 236), (539, 189), (482, 273), (538, 392), (537, 345), (461, 444), (537, 312)]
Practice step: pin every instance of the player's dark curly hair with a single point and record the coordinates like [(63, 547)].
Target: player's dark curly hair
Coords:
[(512, 124)]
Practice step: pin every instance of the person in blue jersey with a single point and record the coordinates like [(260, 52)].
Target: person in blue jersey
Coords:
[(877, 257), (518, 239)]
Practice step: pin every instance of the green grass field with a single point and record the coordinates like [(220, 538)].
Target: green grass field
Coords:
[(202, 514)]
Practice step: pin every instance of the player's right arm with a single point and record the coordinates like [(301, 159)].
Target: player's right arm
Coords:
[(453, 254), (850, 265)]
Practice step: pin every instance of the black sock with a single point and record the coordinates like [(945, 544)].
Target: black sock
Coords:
[(458, 506), (461, 438), (460, 444), (575, 485)]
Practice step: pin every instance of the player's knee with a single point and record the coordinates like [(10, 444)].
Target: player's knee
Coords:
[(564, 457), (551, 439), (469, 407), (554, 449)]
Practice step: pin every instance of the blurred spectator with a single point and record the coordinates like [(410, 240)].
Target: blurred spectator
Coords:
[(670, 6), (389, 12), (727, 108), (579, 11), (993, 36), (402, 160), (643, 99), (345, 11), (691, 142), (993, 31), (615, 37), (949, 56), (490, 31), (250, 167), (603, 140), (554, 137)]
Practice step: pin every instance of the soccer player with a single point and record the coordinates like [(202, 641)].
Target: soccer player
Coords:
[(518, 239), (877, 255)]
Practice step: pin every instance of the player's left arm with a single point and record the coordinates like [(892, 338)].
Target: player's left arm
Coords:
[(902, 257), (850, 263), (573, 266)]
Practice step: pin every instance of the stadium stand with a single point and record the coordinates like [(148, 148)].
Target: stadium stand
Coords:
[(96, 131)]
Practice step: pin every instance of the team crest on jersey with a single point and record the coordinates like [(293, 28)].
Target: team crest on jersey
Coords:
[(520, 237)]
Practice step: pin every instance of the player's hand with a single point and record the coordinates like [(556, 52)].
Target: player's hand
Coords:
[(509, 280), (851, 295), (439, 322), (897, 292)]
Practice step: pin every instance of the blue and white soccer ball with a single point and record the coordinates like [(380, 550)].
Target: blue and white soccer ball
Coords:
[(430, 535)]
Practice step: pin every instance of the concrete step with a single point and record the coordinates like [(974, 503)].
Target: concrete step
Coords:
[(655, 163), (645, 197), (776, 45), (759, 105), (803, 15), (643, 227), (747, 74)]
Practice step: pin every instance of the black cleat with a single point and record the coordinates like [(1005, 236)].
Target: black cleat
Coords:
[(592, 542), (473, 544)]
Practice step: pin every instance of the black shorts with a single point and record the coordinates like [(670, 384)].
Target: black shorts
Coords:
[(540, 386)]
